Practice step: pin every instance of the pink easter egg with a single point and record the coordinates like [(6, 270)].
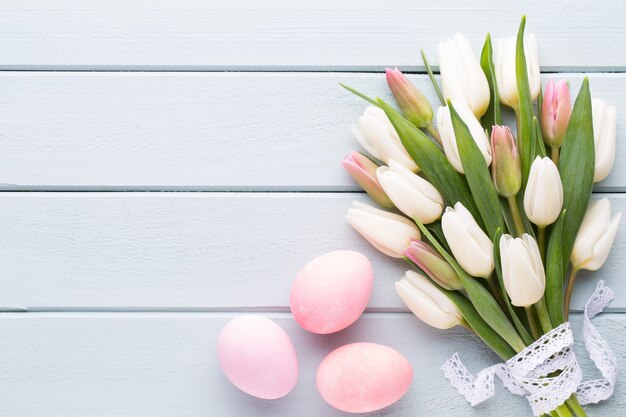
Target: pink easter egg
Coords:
[(332, 291), (258, 357), (363, 377)]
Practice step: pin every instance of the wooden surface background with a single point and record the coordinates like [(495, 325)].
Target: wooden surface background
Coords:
[(168, 165)]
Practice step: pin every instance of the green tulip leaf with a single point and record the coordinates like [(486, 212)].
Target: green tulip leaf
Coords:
[(360, 94), (480, 326), (437, 231), (477, 175), (432, 161), (540, 106), (576, 166), (481, 298), (528, 227), (508, 217), (493, 116), (525, 111), (554, 273), (539, 148), (432, 78)]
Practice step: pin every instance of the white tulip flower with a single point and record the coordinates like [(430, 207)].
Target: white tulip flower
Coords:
[(427, 302), (604, 136), (461, 75), (412, 194), (377, 135), (471, 247), (522, 270), (504, 65), (543, 199), (595, 236), (448, 138), (388, 232)]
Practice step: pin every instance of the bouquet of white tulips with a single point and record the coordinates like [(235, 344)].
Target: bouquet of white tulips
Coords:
[(497, 225)]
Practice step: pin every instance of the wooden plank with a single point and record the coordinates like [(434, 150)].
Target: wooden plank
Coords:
[(104, 364), (215, 251), (315, 34), (199, 131)]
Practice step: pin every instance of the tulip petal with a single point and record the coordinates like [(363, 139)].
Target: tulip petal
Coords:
[(471, 247), (377, 135), (427, 302), (493, 116), (592, 228), (408, 198), (435, 167), (522, 270), (605, 129), (602, 248), (388, 232), (543, 198), (462, 76), (576, 167)]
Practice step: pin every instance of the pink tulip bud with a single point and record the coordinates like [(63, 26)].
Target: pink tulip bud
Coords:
[(412, 102), (505, 166), (363, 171), (555, 113), (433, 265)]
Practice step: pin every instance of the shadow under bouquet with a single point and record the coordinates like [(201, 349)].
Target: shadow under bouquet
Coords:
[(497, 225)]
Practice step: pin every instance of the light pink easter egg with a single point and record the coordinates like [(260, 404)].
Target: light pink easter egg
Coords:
[(258, 357), (332, 291), (363, 377)]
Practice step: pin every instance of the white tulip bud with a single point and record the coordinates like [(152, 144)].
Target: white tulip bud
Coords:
[(461, 75), (504, 65), (388, 232), (471, 247), (522, 270), (448, 138), (604, 135), (427, 302), (543, 199), (595, 236), (412, 194), (377, 135)]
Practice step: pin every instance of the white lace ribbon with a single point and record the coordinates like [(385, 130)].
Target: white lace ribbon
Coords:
[(526, 374)]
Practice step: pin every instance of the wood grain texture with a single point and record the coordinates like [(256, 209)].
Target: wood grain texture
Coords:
[(311, 34), (173, 268), (200, 131), (160, 365), (214, 251)]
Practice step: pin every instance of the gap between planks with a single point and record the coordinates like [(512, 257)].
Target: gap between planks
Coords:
[(279, 311), (56, 312), (366, 69), (11, 188)]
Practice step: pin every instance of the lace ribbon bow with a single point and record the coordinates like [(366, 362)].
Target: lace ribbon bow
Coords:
[(526, 374)]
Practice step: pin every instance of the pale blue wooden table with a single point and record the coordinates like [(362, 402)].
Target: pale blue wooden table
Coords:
[(113, 291)]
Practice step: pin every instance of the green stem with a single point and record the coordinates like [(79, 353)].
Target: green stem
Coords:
[(531, 322), (575, 406), (544, 317), (495, 291), (555, 155), (432, 79), (541, 238), (517, 218), (563, 411), (433, 132), (569, 290)]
